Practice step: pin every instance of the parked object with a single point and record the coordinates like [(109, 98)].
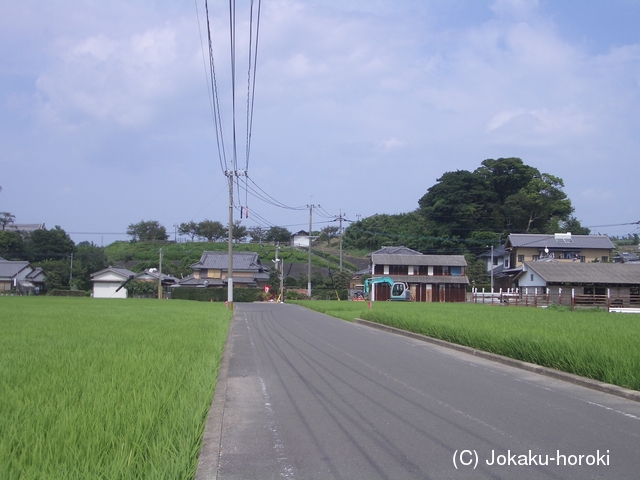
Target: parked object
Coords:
[(399, 290)]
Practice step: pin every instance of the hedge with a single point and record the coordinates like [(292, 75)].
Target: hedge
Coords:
[(216, 294), (56, 292)]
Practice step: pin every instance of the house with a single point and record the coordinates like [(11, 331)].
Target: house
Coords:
[(616, 279), (431, 278), (300, 239), (564, 247), (496, 259), (213, 268), (626, 257), (107, 282), (561, 247), (20, 276)]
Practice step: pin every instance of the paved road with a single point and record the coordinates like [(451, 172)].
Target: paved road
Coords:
[(312, 397)]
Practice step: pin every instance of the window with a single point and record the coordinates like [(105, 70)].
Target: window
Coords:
[(521, 258), (455, 271), (536, 258), (605, 259), (583, 259), (203, 273), (495, 260), (506, 263), (532, 277)]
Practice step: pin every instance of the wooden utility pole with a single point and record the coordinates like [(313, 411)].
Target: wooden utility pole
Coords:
[(309, 270), (160, 277), (230, 249)]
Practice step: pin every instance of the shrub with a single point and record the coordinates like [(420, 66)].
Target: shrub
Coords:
[(216, 294), (57, 292)]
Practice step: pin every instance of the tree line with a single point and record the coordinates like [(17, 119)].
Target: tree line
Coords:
[(468, 211)]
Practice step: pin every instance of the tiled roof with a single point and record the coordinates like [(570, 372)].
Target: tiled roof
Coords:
[(602, 273), (518, 240), (498, 251), (432, 279), (428, 260), (395, 251), (9, 269), (220, 261), (126, 273)]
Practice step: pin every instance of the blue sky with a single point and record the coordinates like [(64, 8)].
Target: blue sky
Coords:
[(105, 117)]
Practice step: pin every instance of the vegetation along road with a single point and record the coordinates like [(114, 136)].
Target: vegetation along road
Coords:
[(311, 396)]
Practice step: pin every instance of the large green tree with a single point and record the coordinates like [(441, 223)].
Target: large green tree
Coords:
[(52, 244), (6, 218), (147, 231), (278, 234), (536, 204), (188, 228), (213, 231), (467, 211), (12, 245)]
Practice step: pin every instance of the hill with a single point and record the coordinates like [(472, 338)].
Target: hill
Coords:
[(178, 257)]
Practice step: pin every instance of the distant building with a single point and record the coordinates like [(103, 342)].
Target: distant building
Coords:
[(300, 239), (24, 227), (21, 277), (213, 270), (431, 278), (582, 278), (107, 282)]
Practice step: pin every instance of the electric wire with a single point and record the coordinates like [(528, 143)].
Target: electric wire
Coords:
[(217, 118)]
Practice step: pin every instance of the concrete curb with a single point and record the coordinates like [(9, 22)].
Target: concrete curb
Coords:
[(210, 452), (530, 367)]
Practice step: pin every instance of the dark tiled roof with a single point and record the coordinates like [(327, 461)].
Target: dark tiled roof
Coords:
[(9, 269), (120, 271), (433, 279), (602, 273), (220, 260), (498, 251), (576, 241), (395, 251), (428, 260)]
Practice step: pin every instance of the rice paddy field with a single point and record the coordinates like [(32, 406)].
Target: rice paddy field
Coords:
[(591, 343), (106, 389)]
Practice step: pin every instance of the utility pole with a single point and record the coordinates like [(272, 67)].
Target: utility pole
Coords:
[(341, 217), (229, 174), (70, 270), (492, 272), (160, 277), (309, 272)]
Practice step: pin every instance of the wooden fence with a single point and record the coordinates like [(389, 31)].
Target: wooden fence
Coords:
[(566, 297)]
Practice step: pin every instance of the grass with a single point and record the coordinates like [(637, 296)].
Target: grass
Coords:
[(111, 389), (593, 344)]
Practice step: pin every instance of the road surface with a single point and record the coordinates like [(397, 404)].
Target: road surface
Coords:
[(312, 397)]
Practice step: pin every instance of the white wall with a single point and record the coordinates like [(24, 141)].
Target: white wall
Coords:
[(108, 290)]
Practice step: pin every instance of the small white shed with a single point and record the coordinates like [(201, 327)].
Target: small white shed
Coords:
[(107, 281)]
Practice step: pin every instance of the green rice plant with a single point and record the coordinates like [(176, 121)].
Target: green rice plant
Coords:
[(593, 344), (111, 389)]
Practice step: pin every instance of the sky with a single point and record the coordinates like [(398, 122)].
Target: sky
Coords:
[(106, 116)]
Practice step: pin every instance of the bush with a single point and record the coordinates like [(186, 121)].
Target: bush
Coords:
[(56, 292), (216, 294)]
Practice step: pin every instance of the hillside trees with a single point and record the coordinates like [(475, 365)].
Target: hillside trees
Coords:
[(210, 230), (278, 234), (469, 210), (189, 229), (147, 231), (6, 218), (502, 195)]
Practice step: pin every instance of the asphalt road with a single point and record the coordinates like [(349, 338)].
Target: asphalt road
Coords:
[(312, 397)]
